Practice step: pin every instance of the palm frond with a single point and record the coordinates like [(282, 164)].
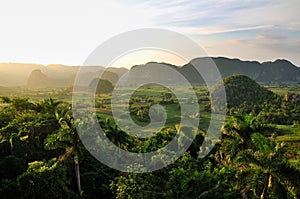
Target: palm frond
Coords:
[(248, 157), (289, 176)]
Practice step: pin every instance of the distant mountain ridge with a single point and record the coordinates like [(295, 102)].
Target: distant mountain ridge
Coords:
[(56, 75), (279, 71), (53, 75)]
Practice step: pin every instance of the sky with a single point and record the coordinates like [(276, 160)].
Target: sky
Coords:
[(66, 32)]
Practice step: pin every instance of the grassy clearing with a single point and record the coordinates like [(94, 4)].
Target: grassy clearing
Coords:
[(289, 133), (291, 136), (281, 90), (156, 94)]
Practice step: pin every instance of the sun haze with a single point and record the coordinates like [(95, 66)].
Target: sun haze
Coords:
[(66, 32)]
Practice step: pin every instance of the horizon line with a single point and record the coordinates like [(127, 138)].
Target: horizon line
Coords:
[(213, 57)]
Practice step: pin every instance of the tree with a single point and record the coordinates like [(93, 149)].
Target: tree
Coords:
[(135, 185), (45, 180), (264, 172), (5, 148), (27, 132), (143, 114), (5, 99), (236, 136), (49, 105), (7, 115), (116, 135), (67, 138), (12, 166), (9, 189), (21, 104), (167, 96), (185, 178)]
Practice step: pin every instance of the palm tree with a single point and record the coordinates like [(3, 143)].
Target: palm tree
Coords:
[(264, 172), (116, 135), (236, 136), (49, 105), (67, 138)]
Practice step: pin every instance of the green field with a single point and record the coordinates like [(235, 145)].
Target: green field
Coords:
[(281, 90)]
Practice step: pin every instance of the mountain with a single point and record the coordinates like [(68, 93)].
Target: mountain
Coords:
[(118, 71), (153, 72), (37, 78), (57, 75), (267, 72), (53, 75), (16, 74), (279, 71)]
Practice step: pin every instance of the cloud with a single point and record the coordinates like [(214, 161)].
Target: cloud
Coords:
[(226, 30), (56, 32), (270, 37), (284, 47), (211, 30), (293, 26), (265, 28), (218, 14), (238, 42)]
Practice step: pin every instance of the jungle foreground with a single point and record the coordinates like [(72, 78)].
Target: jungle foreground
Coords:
[(256, 156)]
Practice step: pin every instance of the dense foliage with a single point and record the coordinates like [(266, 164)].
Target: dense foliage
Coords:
[(41, 155)]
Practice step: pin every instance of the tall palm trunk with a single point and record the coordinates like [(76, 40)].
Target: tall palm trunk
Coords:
[(268, 184), (77, 171)]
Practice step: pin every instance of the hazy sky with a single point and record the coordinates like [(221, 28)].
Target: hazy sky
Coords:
[(65, 31)]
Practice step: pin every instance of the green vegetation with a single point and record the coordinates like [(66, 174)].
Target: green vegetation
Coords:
[(246, 96), (243, 91), (257, 155)]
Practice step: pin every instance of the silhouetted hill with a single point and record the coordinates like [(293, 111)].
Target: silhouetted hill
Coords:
[(17, 74), (118, 71), (53, 75), (278, 71), (153, 72), (37, 79)]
